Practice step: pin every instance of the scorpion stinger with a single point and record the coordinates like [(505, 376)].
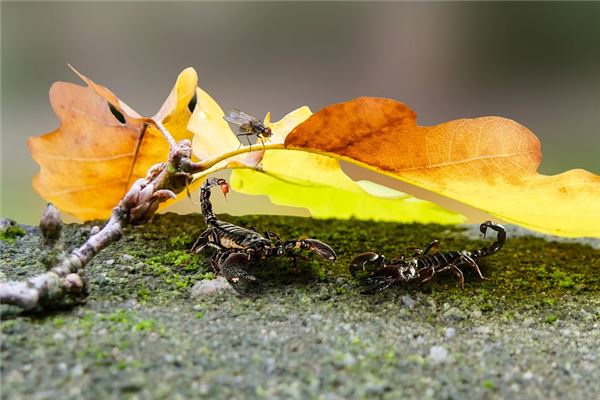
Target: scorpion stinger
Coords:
[(424, 264), (236, 247)]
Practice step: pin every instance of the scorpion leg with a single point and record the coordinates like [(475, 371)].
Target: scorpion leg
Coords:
[(434, 247), (270, 235), (232, 267), (428, 278), (468, 260), (322, 249), (201, 242), (458, 273), (214, 262), (455, 271)]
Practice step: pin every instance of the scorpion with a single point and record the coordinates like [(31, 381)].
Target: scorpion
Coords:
[(422, 266), (236, 247)]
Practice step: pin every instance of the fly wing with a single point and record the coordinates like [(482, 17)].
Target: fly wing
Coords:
[(238, 117)]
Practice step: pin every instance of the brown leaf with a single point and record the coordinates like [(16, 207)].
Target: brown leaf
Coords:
[(489, 163), (102, 146)]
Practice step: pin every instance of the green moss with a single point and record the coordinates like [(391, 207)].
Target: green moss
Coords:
[(550, 319), (182, 242), (488, 384), (143, 294), (177, 257), (340, 290), (144, 325), (10, 232)]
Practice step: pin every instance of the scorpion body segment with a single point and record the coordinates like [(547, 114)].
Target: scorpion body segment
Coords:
[(424, 264), (236, 247)]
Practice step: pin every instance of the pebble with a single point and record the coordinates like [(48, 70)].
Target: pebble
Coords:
[(109, 262), (454, 313), (127, 258), (209, 286), (373, 388), (269, 365), (438, 354), (528, 376), (476, 313), (527, 322), (482, 330), (450, 333), (408, 301), (348, 360), (169, 358)]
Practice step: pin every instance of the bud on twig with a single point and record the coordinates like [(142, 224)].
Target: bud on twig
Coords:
[(51, 225)]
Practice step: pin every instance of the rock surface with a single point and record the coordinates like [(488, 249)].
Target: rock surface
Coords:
[(148, 330)]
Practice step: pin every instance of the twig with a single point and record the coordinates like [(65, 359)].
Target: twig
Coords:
[(162, 182)]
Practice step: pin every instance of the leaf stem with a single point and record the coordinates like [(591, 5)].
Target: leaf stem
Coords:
[(165, 132), (204, 165)]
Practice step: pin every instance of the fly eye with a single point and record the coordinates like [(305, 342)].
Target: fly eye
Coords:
[(193, 102), (118, 115)]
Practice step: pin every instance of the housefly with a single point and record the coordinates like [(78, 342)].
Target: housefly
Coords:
[(248, 125)]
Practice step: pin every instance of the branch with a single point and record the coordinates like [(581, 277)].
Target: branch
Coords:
[(162, 182)]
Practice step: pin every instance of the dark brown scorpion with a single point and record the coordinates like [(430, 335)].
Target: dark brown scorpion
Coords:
[(422, 266), (236, 247)]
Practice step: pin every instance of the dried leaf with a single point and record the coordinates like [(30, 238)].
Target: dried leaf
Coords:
[(102, 146), (489, 163)]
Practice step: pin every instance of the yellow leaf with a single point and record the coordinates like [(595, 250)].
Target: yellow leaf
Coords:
[(489, 163), (318, 183)]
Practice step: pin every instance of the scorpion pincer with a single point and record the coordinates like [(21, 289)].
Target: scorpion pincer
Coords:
[(236, 247), (423, 264)]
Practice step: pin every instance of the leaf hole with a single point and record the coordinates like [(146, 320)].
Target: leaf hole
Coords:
[(193, 102), (118, 115)]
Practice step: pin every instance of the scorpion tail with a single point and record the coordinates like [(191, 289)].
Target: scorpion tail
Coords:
[(205, 204), (498, 243), (233, 268)]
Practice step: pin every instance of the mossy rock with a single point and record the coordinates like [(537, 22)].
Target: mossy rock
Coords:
[(531, 330)]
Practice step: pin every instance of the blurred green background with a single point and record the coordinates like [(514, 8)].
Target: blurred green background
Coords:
[(536, 63)]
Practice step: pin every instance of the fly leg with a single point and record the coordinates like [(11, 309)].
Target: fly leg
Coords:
[(247, 135)]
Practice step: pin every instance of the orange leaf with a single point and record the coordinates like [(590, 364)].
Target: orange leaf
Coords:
[(102, 146), (489, 163)]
